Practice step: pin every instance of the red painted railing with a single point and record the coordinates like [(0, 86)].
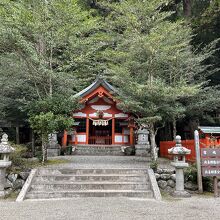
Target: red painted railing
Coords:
[(189, 144), (102, 140)]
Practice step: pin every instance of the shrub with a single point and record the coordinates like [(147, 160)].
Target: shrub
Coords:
[(190, 174), (39, 156), (154, 165), (17, 157)]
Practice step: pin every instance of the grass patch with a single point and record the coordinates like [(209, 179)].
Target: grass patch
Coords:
[(11, 196), (34, 163), (167, 197), (206, 194)]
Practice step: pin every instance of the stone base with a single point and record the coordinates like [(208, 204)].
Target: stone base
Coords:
[(2, 194), (181, 194), (53, 152), (142, 150)]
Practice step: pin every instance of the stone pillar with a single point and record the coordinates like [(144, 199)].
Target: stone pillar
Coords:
[(53, 148), (142, 148), (179, 152), (179, 179), (2, 182)]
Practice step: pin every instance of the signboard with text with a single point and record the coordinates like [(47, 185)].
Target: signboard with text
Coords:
[(210, 161)]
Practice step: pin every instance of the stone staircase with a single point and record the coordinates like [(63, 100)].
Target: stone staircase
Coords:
[(68, 182), (114, 150)]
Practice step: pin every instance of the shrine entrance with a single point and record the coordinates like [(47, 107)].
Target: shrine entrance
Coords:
[(100, 132), (99, 121)]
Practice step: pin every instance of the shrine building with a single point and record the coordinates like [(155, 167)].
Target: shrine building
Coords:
[(100, 121)]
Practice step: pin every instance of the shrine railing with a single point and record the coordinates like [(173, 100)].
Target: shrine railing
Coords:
[(102, 140)]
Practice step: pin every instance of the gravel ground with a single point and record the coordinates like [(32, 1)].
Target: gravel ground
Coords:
[(112, 209)]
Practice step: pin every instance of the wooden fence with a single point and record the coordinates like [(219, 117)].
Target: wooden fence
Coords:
[(189, 144)]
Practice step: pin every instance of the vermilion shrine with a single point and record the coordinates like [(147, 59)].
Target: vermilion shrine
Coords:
[(100, 121)]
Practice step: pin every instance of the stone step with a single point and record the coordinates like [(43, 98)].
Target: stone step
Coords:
[(89, 193), (91, 177), (98, 150), (65, 171), (89, 186)]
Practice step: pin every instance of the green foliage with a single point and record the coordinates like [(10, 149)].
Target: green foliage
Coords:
[(39, 156), (58, 104), (46, 123), (69, 150), (154, 64), (45, 46), (154, 165), (18, 157), (190, 173), (160, 62)]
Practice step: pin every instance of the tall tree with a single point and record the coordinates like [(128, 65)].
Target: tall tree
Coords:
[(187, 7), (155, 66)]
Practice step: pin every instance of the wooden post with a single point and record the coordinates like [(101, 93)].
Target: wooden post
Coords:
[(76, 139), (17, 135), (215, 184), (64, 142), (87, 130), (113, 130), (131, 136), (198, 161)]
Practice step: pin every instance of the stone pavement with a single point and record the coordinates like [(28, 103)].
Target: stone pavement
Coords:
[(112, 209), (77, 161), (109, 208)]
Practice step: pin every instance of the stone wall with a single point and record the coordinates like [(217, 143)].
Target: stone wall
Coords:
[(15, 181), (166, 179)]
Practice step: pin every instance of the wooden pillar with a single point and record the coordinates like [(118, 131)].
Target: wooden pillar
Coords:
[(131, 136), (17, 135), (215, 186), (76, 139), (113, 130), (64, 141), (87, 130)]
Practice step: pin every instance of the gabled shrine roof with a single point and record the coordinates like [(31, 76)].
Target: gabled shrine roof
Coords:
[(97, 83), (209, 130)]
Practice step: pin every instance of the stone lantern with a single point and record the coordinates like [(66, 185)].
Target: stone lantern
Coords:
[(53, 148), (179, 162), (142, 147), (5, 150)]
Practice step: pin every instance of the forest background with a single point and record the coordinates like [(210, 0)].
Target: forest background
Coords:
[(163, 56)]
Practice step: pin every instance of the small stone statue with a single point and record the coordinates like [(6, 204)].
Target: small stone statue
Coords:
[(142, 148)]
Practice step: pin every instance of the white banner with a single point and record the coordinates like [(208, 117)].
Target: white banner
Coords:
[(100, 122)]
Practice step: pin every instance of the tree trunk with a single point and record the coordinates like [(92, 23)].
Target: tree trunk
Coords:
[(17, 135), (44, 149), (174, 129), (32, 142), (51, 70), (187, 7), (154, 152)]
